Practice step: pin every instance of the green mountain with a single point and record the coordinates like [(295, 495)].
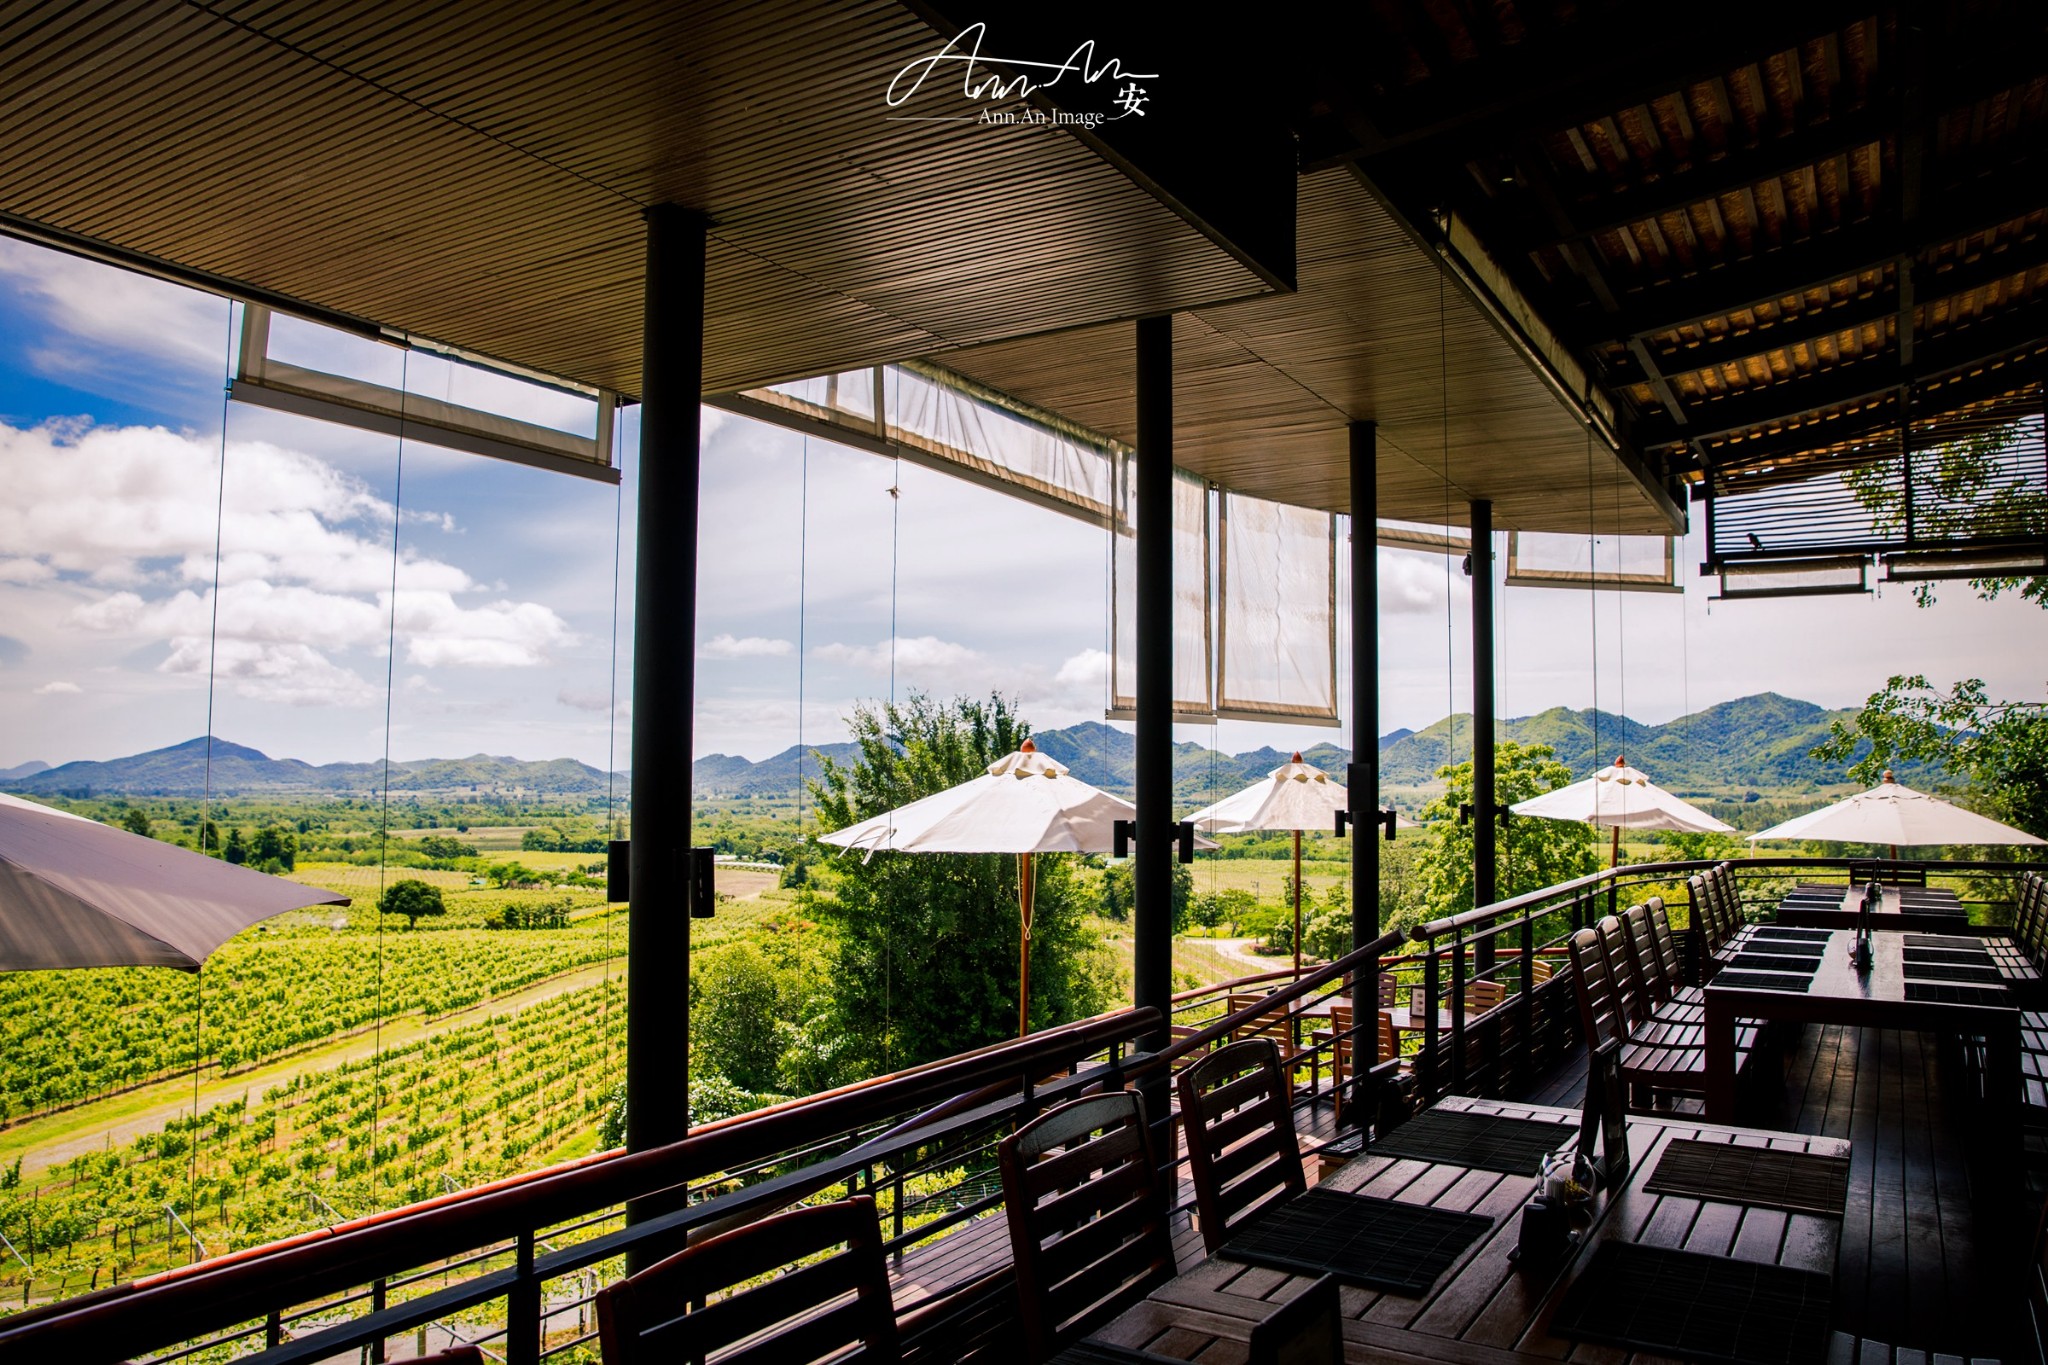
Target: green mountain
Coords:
[(1754, 744)]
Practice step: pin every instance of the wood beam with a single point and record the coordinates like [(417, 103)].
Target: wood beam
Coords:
[(1866, 381), (1946, 395)]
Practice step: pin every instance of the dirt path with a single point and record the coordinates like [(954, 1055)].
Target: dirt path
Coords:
[(56, 1138)]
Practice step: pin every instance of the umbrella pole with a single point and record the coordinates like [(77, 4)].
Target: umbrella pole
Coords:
[(1297, 903), (1026, 890), (1614, 857)]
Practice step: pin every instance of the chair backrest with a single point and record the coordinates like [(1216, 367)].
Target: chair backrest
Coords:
[(1340, 1040), (1276, 1026), (2030, 924), (1665, 943), (1087, 1215), (1306, 1330), (1644, 959), (1483, 995), (1727, 900), (1541, 969), (1390, 1041), (1242, 1149), (1599, 1009), (1389, 990), (1631, 1001), (834, 1305)]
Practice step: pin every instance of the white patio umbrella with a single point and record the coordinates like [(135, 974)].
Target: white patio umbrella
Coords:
[(1892, 814), (1026, 803), (76, 893), (1619, 797), (1294, 796)]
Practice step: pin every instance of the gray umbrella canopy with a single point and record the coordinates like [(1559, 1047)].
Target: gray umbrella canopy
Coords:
[(76, 893)]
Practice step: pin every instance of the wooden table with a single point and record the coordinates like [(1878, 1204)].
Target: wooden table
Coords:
[(1839, 994), (1943, 913), (1483, 1311)]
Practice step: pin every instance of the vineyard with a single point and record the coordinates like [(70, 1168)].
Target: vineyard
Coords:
[(463, 1107)]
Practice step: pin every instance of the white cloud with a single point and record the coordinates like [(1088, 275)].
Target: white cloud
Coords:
[(1413, 584), (117, 309), (25, 571), (294, 674), (59, 688), (725, 646), (1086, 671), (926, 660)]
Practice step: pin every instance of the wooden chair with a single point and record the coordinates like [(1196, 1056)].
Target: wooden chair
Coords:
[(1087, 1215), (1242, 1150), (1484, 994), (801, 1314), (1306, 1330), (1683, 997), (1278, 1027), (1541, 969)]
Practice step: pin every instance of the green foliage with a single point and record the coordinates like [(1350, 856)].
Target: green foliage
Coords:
[(927, 943), (1534, 853), (413, 899), (1705, 846), (1962, 490), (736, 1016), (275, 848), (1998, 750), (547, 914), (136, 821), (236, 850), (445, 848), (1120, 892)]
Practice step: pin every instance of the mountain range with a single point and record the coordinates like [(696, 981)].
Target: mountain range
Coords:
[(1757, 743)]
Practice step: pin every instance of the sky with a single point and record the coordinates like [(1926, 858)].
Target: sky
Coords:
[(490, 626)]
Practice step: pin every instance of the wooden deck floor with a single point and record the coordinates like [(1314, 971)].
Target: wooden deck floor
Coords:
[(1918, 1266), (1915, 1270)]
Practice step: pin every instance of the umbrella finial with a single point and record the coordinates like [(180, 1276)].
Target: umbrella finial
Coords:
[(1888, 778), (1620, 762), (1027, 747), (1296, 758)]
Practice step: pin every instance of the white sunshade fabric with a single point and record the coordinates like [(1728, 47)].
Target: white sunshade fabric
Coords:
[(1295, 795), (1276, 611), (1898, 816), (1192, 660), (1025, 803), (1620, 797)]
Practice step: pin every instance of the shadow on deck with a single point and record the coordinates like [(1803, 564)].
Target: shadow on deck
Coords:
[(1913, 1269)]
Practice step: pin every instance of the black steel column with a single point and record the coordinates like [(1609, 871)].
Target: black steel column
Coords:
[(664, 686), (1485, 875), (1153, 892), (1364, 778)]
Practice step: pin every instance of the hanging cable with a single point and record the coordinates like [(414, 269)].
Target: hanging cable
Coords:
[(220, 503), (611, 739), (384, 812), (1443, 374), (1593, 594)]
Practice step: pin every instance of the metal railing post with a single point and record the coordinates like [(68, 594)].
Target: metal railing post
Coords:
[(1458, 1008), (1525, 1066), (1430, 977), (378, 1296), (522, 1309)]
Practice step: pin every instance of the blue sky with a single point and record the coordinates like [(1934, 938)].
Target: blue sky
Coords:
[(502, 640)]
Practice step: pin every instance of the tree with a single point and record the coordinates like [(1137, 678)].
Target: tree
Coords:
[(237, 851), (1998, 750), (736, 1016), (1534, 853), (412, 899), (1120, 892), (275, 844), (136, 821), (926, 957), (1962, 490)]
